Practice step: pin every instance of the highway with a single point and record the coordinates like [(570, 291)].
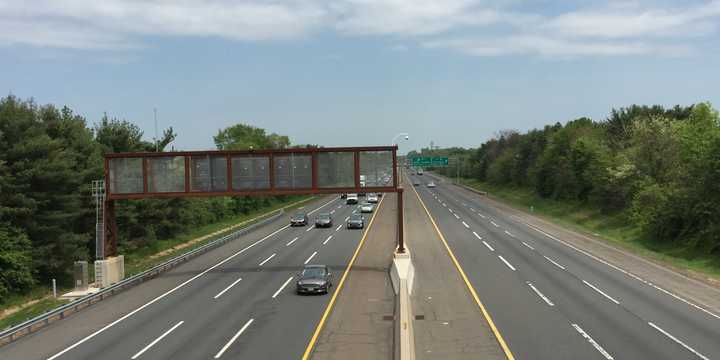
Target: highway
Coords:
[(551, 300), (237, 301)]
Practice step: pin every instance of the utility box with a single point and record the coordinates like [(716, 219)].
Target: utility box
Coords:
[(109, 271), (80, 272)]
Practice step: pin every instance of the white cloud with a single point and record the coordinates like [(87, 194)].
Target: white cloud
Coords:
[(552, 47), (623, 22), (478, 27), (110, 23), (411, 17)]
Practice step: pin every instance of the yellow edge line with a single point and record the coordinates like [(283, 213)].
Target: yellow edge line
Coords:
[(320, 325), (475, 296)]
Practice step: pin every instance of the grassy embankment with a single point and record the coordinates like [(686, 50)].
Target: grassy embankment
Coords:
[(40, 300)]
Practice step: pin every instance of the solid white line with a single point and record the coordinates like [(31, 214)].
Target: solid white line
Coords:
[(601, 292), (678, 341), (222, 351), (282, 287), (339, 227), (592, 342), (80, 342), (310, 228), (326, 240), (291, 241), (623, 271), (268, 259), (507, 263), (547, 301), (156, 340), (554, 262), (488, 246), (456, 216), (509, 234), (494, 224), (466, 225), (310, 258), (528, 245), (477, 236), (227, 288)]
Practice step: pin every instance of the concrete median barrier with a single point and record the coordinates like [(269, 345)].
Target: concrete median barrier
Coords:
[(402, 275)]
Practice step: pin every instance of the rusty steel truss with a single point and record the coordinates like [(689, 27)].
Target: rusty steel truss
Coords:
[(141, 176)]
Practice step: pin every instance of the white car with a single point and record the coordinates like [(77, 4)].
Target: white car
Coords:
[(351, 199), (366, 207), (431, 184), (372, 198)]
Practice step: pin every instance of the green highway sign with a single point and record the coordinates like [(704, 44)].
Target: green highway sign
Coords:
[(427, 161)]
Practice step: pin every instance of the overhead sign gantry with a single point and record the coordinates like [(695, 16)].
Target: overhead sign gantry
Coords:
[(247, 173)]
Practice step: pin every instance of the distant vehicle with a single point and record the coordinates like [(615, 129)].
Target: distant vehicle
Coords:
[(355, 221), (323, 220), (366, 207), (299, 219), (372, 198), (431, 184), (343, 196), (314, 279), (416, 183), (379, 195), (351, 199), (420, 172)]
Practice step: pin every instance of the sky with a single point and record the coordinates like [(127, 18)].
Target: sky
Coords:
[(358, 72)]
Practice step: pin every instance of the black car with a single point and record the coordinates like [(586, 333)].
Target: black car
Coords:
[(299, 219), (323, 220), (356, 222), (314, 279)]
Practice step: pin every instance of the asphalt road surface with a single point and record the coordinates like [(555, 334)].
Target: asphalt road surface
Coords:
[(235, 302), (552, 301)]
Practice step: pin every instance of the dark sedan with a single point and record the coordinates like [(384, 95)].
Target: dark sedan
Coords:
[(314, 279), (299, 219), (323, 220), (356, 222)]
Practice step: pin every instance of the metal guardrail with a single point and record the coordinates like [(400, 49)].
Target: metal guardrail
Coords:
[(30, 326)]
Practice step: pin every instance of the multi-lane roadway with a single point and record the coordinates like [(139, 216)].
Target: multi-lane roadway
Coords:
[(238, 301), (552, 300)]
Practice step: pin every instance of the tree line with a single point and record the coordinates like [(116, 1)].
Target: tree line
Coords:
[(48, 159), (658, 168)]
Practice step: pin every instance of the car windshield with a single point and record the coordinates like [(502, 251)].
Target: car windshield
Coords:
[(324, 216), (312, 273), (356, 218), (299, 216)]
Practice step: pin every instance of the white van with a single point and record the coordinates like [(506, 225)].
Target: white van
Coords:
[(351, 199)]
